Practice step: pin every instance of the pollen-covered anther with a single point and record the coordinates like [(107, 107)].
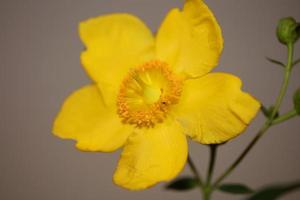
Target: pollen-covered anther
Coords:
[(147, 93)]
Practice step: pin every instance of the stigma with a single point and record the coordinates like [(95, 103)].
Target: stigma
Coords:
[(147, 94)]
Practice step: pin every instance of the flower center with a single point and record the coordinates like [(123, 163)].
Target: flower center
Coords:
[(147, 94)]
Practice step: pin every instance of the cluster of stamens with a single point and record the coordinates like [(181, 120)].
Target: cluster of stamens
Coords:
[(134, 107)]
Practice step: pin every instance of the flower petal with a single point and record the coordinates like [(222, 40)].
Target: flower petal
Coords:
[(83, 117), (213, 109), (114, 44), (152, 155), (190, 40)]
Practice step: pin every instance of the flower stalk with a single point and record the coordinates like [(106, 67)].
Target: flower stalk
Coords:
[(285, 117), (195, 171), (213, 155), (272, 120), (207, 190)]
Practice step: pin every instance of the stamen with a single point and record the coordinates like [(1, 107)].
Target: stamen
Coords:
[(147, 94)]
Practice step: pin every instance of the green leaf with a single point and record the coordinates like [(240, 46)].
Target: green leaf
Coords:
[(183, 184), (235, 188), (275, 62), (297, 101), (296, 62), (275, 191), (268, 111), (265, 111)]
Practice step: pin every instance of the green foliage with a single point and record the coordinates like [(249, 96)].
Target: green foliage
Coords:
[(288, 30), (297, 101), (296, 62), (235, 188), (275, 61), (183, 184), (268, 111), (275, 191)]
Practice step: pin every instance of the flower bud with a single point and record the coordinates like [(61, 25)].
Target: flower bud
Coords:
[(297, 101), (288, 30)]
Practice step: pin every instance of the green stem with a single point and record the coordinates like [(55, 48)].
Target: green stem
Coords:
[(241, 157), (206, 195), (207, 190), (195, 171), (284, 117), (269, 122), (213, 154), (285, 82)]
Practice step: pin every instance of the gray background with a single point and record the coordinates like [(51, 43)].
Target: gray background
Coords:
[(39, 63)]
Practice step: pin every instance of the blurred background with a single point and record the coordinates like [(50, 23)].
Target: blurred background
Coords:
[(39, 67)]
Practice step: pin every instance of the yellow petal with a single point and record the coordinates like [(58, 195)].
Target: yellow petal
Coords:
[(152, 155), (109, 93), (213, 109), (114, 44), (190, 40), (84, 118)]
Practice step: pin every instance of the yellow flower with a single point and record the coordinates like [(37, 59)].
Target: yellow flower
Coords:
[(149, 93)]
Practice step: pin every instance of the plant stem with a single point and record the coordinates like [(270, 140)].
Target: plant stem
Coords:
[(213, 154), (206, 194), (285, 82), (243, 154), (285, 117), (269, 122), (195, 171), (207, 190)]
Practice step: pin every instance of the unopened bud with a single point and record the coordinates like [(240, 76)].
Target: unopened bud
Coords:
[(288, 30)]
